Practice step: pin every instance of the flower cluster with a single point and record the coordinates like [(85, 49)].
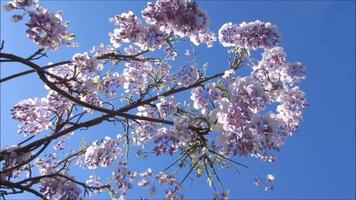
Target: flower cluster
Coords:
[(123, 178), (59, 186), (274, 72), (131, 30), (57, 103), (33, 114), (291, 104), (136, 76), (251, 35), (165, 141), (94, 182), (44, 28), (101, 153), (200, 97), (81, 77), (84, 63), (148, 179), (19, 4), (12, 160), (182, 18), (145, 130), (243, 126), (164, 18), (204, 97), (167, 106), (245, 98), (187, 75)]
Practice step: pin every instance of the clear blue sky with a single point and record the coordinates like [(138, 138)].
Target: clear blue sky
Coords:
[(316, 163)]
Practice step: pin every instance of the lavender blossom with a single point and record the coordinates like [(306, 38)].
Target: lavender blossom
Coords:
[(251, 35), (180, 17), (33, 114), (292, 102), (19, 4), (83, 62), (56, 187), (46, 29), (129, 29), (123, 178), (200, 98), (13, 158), (58, 103), (101, 153), (167, 106), (187, 75)]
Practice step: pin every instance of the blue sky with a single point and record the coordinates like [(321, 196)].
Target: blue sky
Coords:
[(318, 162)]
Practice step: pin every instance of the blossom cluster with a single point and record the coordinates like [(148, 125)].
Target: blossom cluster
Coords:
[(81, 77), (250, 35), (166, 106), (123, 179), (19, 4), (33, 115), (273, 71), (163, 19), (202, 98), (187, 75), (13, 159), (56, 187), (101, 153), (45, 28)]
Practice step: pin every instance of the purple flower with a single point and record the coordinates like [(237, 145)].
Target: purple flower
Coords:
[(33, 114), (19, 4), (13, 158), (179, 17), (291, 104), (46, 29), (167, 106), (58, 103), (123, 178), (129, 29), (84, 63), (101, 153), (187, 75), (274, 72), (250, 35), (200, 98), (56, 187)]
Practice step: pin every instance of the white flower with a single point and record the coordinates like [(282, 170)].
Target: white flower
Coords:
[(270, 177)]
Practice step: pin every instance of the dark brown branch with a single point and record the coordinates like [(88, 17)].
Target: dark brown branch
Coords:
[(31, 71), (215, 174), (38, 52), (27, 161), (9, 184), (2, 45), (111, 56), (190, 171)]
